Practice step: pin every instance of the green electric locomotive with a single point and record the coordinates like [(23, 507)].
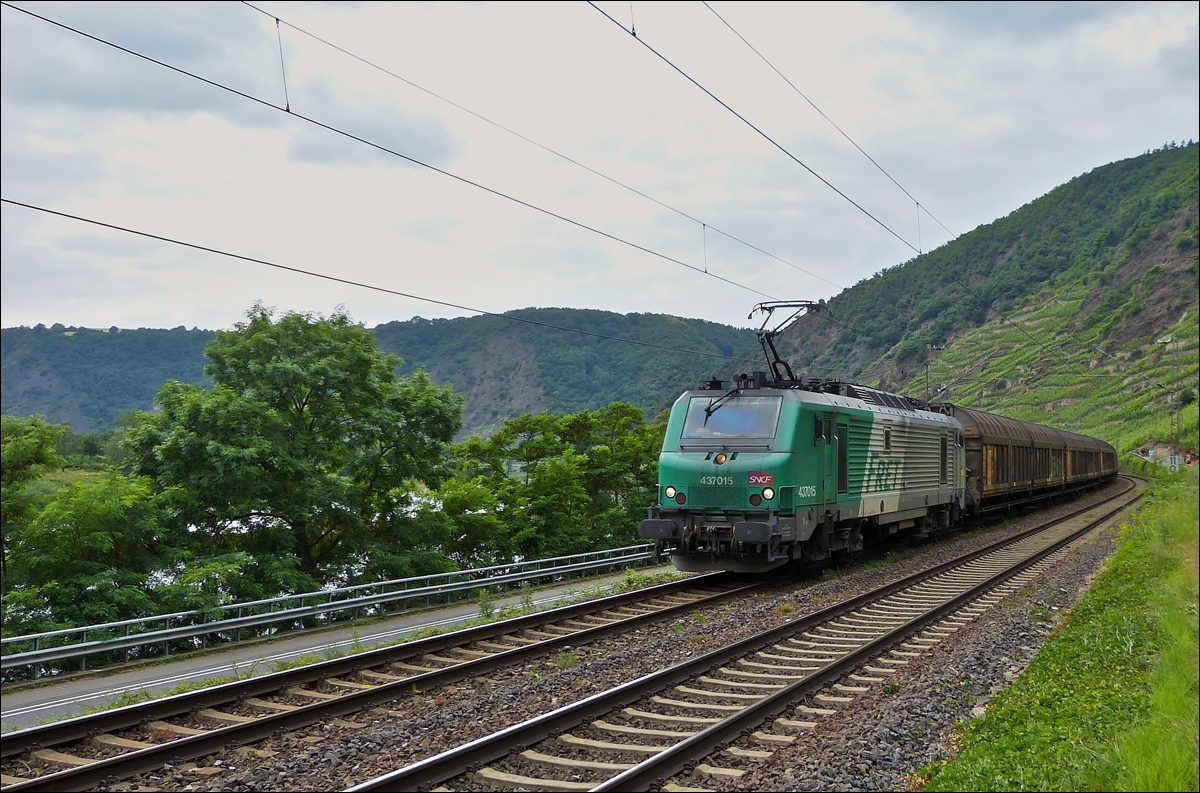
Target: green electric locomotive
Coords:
[(755, 477), (775, 470)]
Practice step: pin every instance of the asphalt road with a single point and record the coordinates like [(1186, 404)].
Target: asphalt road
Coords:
[(30, 706)]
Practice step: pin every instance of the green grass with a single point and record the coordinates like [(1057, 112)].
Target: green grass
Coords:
[(566, 660), (304, 659), (42, 490), (1110, 702)]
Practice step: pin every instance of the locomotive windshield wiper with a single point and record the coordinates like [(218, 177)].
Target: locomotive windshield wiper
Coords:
[(715, 405)]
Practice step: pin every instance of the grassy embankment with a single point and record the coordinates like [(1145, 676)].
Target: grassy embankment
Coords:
[(1110, 701)]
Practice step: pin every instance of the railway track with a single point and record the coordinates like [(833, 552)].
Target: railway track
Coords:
[(685, 719), (116, 744)]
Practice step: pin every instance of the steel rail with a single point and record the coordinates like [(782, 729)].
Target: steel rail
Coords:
[(655, 769), (453, 762), (142, 760)]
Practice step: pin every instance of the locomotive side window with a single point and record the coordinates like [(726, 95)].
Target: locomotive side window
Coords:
[(887, 439), (818, 433)]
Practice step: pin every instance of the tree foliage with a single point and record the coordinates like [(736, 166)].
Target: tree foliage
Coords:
[(88, 555), (303, 448), (308, 462), (547, 485), (27, 449)]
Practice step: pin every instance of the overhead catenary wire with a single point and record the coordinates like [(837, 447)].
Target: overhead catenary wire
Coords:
[(954, 279), (834, 124), (392, 152), (351, 282), (542, 146), (751, 124), (919, 207)]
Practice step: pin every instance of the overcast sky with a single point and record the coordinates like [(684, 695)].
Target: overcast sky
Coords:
[(975, 109)]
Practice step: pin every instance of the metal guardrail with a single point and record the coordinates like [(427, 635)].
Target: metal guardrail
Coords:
[(343, 599)]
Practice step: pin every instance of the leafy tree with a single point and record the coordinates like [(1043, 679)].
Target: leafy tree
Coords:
[(555, 521), (305, 448), (87, 556), (28, 449), (547, 485), (464, 520)]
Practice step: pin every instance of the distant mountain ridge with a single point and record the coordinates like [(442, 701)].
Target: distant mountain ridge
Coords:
[(88, 377), (506, 368)]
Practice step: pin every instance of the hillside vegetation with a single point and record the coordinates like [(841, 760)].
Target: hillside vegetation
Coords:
[(1110, 701), (87, 378), (1102, 230), (1081, 310), (507, 368)]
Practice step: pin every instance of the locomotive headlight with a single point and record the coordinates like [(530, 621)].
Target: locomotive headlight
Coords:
[(720, 458), (670, 491), (768, 493)]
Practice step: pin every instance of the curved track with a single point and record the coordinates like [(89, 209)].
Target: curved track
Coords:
[(642, 733), (85, 751)]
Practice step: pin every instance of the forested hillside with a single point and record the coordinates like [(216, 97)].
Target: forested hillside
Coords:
[(508, 368), (87, 378), (1078, 310), (1102, 231)]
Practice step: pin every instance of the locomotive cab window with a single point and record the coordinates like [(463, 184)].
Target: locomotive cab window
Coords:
[(736, 417)]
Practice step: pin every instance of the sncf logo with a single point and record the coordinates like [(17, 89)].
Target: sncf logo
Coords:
[(759, 478)]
